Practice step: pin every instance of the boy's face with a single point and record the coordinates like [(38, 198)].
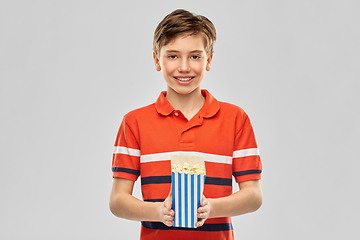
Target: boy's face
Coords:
[(183, 63)]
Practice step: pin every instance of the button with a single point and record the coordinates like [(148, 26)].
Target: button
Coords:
[(176, 114)]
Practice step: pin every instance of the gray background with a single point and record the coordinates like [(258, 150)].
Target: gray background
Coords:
[(70, 70)]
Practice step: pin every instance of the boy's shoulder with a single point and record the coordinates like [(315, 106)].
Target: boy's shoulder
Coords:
[(141, 111), (230, 108)]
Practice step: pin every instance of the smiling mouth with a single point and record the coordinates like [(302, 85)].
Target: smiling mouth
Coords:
[(184, 79)]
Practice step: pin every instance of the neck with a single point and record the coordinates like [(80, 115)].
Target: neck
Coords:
[(188, 104)]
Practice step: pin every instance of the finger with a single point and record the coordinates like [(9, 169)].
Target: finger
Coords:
[(168, 218), (202, 215), (169, 223), (167, 206), (204, 201), (168, 202), (200, 222), (168, 211), (203, 209)]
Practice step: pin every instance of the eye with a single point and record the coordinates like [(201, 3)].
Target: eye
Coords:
[(172, 56), (195, 57)]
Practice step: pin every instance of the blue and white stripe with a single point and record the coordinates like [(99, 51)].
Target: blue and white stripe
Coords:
[(187, 190)]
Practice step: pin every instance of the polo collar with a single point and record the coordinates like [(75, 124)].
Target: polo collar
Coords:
[(208, 110)]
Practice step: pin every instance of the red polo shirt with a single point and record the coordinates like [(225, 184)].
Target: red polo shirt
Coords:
[(220, 132)]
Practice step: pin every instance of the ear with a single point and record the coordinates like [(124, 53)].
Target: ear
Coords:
[(208, 62), (157, 62)]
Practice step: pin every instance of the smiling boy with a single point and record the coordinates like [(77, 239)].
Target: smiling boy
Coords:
[(183, 63), (185, 120)]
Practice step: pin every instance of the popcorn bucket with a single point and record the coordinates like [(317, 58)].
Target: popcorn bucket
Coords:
[(188, 178)]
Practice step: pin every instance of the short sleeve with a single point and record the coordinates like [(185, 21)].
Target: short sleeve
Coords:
[(126, 156), (246, 157)]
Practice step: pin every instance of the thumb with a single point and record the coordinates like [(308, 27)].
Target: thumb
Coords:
[(168, 201)]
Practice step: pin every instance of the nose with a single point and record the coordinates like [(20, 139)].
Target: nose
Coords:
[(184, 66)]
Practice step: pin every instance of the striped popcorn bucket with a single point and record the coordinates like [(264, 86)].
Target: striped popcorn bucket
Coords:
[(187, 190)]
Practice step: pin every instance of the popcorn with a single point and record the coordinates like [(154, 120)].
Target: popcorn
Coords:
[(188, 169), (188, 178)]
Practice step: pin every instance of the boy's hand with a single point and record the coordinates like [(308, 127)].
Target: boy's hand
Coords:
[(203, 212), (165, 212)]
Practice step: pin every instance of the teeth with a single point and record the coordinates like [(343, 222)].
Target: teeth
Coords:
[(184, 79)]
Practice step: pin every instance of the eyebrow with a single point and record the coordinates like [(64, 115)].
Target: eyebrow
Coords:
[(175, 51)]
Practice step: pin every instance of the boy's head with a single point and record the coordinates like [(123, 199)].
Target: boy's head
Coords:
[(179, 22)]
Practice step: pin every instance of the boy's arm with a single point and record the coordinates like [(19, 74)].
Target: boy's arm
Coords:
[(247, 199), (124, 205)]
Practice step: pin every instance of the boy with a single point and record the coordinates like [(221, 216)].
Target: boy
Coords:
[(185, 120)]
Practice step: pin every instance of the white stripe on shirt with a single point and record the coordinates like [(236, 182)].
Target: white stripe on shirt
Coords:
[(127, 151), (167, 156), (246, 152)]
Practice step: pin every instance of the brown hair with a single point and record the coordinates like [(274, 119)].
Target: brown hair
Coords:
[(179, 22)]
